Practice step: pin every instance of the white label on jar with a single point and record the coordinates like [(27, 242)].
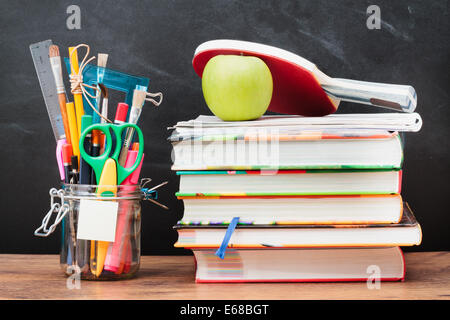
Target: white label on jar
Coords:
[(97, 220)]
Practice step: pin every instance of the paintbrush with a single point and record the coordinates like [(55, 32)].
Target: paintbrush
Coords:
[(104, 110), (136, 109), (55, 62), (102, 59)]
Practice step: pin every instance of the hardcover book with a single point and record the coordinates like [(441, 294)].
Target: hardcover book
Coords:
[(256, 210), (289, 182), (405, 233), (330, 149), (300, 265)]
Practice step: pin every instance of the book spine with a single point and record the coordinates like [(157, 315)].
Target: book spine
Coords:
[(402, 150), (198, 280), (404, 264)]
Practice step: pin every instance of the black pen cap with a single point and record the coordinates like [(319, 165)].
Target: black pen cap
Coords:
[(74, 163)]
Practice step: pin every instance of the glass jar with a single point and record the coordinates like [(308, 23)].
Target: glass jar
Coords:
[(102, 260), (80, 253), (89, 255)]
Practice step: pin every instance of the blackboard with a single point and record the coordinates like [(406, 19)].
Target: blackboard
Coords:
[(157, 39)]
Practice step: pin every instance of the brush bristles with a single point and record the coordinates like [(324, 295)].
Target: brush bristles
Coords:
[(104, 90), (139, 98), (53, 51), (102, 58)]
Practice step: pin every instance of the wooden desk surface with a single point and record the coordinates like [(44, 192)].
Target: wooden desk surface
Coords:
[(172, 277)]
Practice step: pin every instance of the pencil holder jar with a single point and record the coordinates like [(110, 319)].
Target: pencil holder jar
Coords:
[(101, 233)]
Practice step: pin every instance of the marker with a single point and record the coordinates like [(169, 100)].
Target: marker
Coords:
[(121, 113), (117, 253), (67, 155)]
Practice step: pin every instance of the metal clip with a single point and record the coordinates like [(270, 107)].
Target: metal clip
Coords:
[(151, 194), (61, 209)]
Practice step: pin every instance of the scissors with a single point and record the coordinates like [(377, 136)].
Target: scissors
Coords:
[(98, 163), (108, 174)]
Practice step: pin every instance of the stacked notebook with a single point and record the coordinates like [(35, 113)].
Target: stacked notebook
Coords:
[(317, 199)]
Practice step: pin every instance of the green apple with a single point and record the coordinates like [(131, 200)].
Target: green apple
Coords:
[(237, 88)]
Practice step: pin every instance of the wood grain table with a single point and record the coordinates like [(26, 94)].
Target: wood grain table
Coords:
[(172, 277)]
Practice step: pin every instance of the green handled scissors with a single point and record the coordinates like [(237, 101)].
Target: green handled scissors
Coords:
[(97, 163)]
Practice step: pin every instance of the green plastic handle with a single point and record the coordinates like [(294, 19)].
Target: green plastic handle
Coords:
[(97, 163)]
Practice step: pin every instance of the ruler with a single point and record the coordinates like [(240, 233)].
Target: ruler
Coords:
[(39, 52)]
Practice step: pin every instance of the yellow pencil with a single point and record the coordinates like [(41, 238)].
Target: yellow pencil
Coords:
[(74, 137), (77, 97)]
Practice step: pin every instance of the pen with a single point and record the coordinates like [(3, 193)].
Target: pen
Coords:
[(67, 155), (95, 152), (85, 178), (74, 178)]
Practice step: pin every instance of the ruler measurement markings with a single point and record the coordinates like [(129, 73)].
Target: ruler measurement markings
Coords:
[(39, 53)]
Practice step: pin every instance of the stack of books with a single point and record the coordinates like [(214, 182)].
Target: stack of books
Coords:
[(318, 199)]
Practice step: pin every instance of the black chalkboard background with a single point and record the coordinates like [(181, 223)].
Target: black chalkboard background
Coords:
[(157, 39)]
